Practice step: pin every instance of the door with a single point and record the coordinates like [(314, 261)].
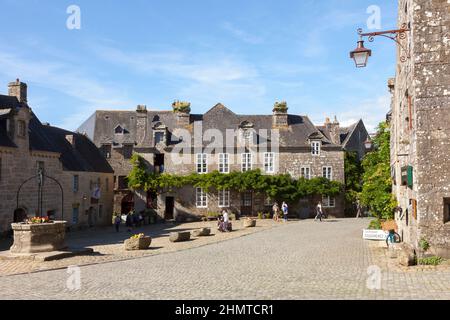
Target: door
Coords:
[(247, 204), (170, 204)]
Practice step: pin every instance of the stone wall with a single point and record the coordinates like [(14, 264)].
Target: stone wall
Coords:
[(420, 122)]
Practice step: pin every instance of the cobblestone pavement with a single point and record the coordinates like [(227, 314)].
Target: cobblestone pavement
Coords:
[(108, 244), (301, 260)]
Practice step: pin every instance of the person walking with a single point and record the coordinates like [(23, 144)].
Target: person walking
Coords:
[(319, 212), (285, 209), (358, 209), (276, 210), (129, 221), (226, 220), (117, 222)]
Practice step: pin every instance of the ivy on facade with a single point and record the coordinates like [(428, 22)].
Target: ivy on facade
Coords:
[(280, 187)]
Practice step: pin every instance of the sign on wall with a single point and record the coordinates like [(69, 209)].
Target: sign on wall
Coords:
[(378, 235)]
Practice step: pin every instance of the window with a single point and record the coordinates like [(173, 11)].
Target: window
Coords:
[(202, 163), (268, 202), (269, 162), (40, 165), (327, 172), (106, 150), (159, 137), (224, 164), (201, 198), (123, 182), (305, 172), (127, 151), (118, 130), (247, 135), (247, 199), (224, 198), (21, 128), (315, 148), (75, 213), (446, 210), (76, 183), (246, 163), (328, 202)]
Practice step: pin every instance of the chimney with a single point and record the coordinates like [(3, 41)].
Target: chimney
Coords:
[(141, 108), (19, 90), (280, 115), (334, 129), (182, 110)]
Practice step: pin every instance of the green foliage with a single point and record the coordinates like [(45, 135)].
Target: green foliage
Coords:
[(353, 176), (280, 106), (281, 187), (424, 244), (377, 188), (375, 225), (430, 261), (181, 106)]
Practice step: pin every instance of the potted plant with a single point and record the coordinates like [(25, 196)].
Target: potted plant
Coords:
[(138, 242)]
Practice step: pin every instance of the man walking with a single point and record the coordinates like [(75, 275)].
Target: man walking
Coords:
[(319, 212), (358, 209), (117, 222), (275, 209), (285, 209)]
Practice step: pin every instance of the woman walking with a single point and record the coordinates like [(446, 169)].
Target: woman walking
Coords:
[(285, 209)]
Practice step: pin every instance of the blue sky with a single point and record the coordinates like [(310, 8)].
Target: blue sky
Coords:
[(246, 54)]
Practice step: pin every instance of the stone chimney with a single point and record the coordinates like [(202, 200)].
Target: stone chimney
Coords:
[(334, 129), (18, 89), (141, 108), (280, 115), (182, 111)]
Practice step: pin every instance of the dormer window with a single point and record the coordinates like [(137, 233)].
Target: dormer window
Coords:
[(246, 131), (160, 134), (315, 148), (119, 130)]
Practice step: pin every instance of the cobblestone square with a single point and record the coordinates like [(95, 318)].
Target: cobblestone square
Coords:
[(299, 260)]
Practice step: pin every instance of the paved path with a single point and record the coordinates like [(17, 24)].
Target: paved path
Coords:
[(304, 260)]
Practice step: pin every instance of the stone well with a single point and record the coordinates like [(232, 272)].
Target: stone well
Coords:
[(37, 238)]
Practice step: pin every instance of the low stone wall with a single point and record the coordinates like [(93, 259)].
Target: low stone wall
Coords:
[(36, 238)]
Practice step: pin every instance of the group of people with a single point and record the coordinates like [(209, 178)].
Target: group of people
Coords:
[(276, 211), (132, 220), (224, 223)]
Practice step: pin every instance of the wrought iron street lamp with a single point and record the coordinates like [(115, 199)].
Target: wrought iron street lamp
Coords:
[(361, 54)]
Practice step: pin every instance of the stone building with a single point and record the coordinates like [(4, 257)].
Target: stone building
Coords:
[(219, 140), (420, 125), (72, 159)]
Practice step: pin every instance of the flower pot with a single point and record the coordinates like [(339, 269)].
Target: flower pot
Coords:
[(137, 243)]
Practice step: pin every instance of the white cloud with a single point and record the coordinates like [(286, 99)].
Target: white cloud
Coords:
[(241, 34)]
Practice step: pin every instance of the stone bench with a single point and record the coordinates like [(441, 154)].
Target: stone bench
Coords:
[(203, 232), (249, 223), (180, 236)]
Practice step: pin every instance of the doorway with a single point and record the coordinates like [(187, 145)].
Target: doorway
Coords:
[(170, 206), (159, 163), (247, 204), (127, 203)]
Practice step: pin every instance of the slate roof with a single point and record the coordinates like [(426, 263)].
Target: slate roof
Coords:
[(100, 126), (83, 156)]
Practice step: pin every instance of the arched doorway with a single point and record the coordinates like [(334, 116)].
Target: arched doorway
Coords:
[(127, 203), (20, 214)]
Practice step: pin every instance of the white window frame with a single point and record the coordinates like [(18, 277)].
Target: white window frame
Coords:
[(201, 163), (201, 198), (305, 169), (246, 162), (223, 198), (328, 202), (269, 162), (327, 172), (315, 148), (224, 162)]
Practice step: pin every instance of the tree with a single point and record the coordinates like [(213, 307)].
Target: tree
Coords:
[(377, 184), (353, 180)]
